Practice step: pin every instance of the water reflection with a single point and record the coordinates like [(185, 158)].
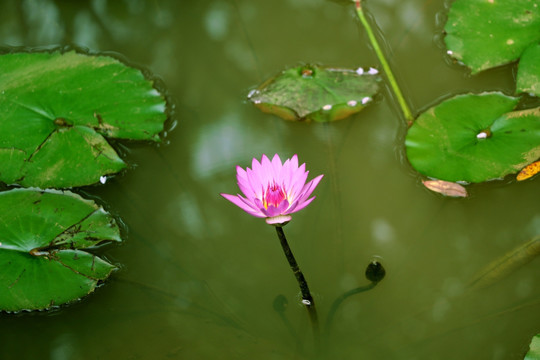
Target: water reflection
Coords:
[(383, 232), (217, 20), (64, 348), (220, 142), (93, 24), (198, 280), (43, 21), (185, 213), (85, 30)]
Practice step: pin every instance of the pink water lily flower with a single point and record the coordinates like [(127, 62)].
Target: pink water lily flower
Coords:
[(274, 190)]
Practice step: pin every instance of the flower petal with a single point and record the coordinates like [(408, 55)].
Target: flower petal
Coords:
[(286, 175), (279, 210), (276, 169), (243, 204), (259, 171), (244, 183), (298, 181), (267, 172), (294, 162), (308, 189), (260, 206), (301, 205), (255, 183)]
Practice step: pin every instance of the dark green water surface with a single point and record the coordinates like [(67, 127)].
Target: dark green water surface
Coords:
[(198, 276)]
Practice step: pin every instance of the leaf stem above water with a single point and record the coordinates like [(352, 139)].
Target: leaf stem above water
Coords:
[(386, 67)]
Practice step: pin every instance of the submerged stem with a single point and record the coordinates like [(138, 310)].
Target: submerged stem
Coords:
[(391, 79), (307, 299), (337, 303)]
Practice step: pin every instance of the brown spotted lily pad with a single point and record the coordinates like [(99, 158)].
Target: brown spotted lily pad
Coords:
[(311, 92)]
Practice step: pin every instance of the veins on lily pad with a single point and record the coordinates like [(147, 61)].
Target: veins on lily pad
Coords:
[(474, 138), (45, 237), (57, 109)]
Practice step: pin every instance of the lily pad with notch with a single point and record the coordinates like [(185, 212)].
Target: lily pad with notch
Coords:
[(318, 93), (474, 138), (57, 109), (45, 238), (489, 33)]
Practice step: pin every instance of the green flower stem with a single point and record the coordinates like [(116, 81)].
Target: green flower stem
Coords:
[(337, 303), (307, 299), (391, 79)]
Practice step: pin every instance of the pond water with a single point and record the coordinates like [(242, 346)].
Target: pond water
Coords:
[(198, 276)]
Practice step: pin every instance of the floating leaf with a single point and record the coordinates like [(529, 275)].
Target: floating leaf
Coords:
[(534, 349), (474, 138), (446, 188), (528, 171), (55, 110), (528, 75), (43, 235), (487, 33), (316, 93)]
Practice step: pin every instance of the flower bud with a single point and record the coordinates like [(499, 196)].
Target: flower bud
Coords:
[(375, 271)]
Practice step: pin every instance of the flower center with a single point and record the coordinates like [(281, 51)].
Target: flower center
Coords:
[(273, 195)]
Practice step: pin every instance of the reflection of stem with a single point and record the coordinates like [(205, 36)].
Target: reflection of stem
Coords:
[(337, 236), (391, 79), (337, 303), (307, 299), (280, 304)]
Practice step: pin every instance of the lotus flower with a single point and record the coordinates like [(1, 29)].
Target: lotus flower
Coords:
[(274, 190)]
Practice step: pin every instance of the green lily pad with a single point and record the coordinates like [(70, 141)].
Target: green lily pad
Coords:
[(43, 237), (487, 33), (474, 138), (56, 109), (316, 93), (534, 349), (528, 75)]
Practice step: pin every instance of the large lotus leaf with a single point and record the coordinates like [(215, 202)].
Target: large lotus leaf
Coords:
[(528, 76), (487, 33), (43, 237), (316, 93), (474, 138), (56, 110)]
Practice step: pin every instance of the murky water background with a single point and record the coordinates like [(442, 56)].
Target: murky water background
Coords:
[(198, 276)]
